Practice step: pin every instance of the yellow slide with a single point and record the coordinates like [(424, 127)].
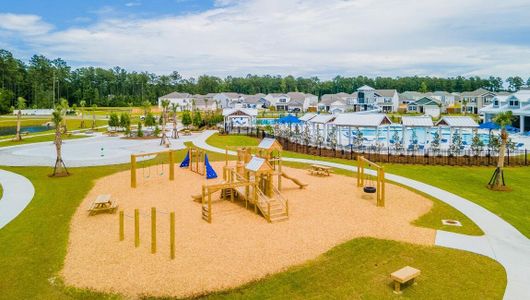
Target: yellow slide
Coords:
[(296, 181)]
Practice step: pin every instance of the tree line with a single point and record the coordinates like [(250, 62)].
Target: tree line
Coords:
[(43, 82)]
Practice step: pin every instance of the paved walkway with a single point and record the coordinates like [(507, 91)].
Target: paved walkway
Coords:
[(17, 193), (93, 151), (501, 241)]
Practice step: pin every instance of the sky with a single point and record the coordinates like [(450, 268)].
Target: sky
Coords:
[(277, 37)]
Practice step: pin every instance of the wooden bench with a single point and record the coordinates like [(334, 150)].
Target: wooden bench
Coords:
[(187, 132), (320, 170), (402, 276), (103, 203)]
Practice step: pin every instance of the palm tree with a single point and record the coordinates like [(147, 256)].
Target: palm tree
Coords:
[(60, 167), (464, 106), (165, 104), (146, 105), (21, 104), (497, 180), (94, 106), (63, 104), (164, 139), (174, 107), (82, 104)]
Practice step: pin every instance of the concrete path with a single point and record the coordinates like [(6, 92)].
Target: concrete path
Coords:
[(501, 241), (93, 151), (17, 193)]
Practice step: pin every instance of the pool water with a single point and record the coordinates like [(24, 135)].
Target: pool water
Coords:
[(31, 129), (266, 121)]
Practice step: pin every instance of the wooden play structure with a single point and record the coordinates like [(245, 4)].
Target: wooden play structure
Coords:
[(197, 161), (150, 169), (251, 179), (371, 184)]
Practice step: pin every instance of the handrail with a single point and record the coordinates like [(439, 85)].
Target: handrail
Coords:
[(283, 201)]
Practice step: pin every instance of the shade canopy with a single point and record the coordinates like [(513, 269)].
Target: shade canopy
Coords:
[(289, 119), (362, 120), (458, 122), (488, 125), (417, 121)]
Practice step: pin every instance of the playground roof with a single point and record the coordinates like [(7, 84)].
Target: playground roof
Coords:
[(322, 119), (362, 120), (417, 121), (247, 111), (268, 143), (257, 164), (307, 117), (458, 122)]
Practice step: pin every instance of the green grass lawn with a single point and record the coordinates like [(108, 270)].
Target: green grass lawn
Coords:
[(33, 247), (360, 268), (71, 124), (432, 219)]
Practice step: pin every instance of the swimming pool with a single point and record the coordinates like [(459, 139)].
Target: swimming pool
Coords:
[(266, 121)]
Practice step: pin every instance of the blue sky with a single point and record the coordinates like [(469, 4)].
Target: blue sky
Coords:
[(302, 38)]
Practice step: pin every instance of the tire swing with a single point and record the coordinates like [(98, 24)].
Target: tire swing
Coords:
[(374, 184)]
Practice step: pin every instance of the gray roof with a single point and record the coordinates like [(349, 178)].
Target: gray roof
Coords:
[(255, 163), (307, 117), (248, 111), (266, 143), (457, 122), (386, 93), (321, 119), (476, 93), (417, 121), (176, 95), (361, 120)]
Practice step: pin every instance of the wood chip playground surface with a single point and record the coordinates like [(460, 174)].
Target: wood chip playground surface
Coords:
[(238, 247)]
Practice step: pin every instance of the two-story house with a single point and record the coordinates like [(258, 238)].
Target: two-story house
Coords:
[(518, 103), (472, 101), (182, 100)]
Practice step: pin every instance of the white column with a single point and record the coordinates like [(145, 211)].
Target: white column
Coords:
[(349, 135), (404, 129), (451, 135), (338, 131), (521, 123), (388, 135)]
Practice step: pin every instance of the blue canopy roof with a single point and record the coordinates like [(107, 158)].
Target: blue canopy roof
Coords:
[(489, 125), (289, 119)]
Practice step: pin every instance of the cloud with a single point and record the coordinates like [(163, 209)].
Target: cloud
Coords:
[(308, 38), (29, 25), (133, 3)]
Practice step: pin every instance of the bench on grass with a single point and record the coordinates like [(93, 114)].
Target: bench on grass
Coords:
[(402, 276)]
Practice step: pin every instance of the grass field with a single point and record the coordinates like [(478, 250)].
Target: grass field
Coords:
[(360, 268), (432, 219), (33, 248), (38, 139)]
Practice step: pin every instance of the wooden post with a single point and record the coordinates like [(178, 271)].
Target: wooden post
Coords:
[(136, 228), (133, 171), (153, 230), (209, 207), (382, 186), (122, 231), (171, 166), (287, 207), (172, 235)]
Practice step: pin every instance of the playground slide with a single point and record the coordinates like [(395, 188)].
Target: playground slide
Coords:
[(296, 181)]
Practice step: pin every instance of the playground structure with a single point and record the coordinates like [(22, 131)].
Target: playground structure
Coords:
[(146, 167), (370, 188), (251, 179), (197, 161)]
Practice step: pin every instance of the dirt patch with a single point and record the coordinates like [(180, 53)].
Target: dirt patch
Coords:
[(239, 246)]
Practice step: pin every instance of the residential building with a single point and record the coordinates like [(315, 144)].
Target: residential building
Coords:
[(229, 100), (472, 101), (426, 105), (182, 100), (365, 99), (518, 103), (292, 101)]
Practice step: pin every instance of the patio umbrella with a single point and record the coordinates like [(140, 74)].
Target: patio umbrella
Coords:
[(489, 125)]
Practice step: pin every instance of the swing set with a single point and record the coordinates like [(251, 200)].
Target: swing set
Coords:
[(371, 184), (152, 170)]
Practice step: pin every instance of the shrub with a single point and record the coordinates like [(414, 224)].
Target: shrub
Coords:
[(139, 132)]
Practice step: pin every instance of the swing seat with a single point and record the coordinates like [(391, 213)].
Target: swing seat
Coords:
[(369, 189)]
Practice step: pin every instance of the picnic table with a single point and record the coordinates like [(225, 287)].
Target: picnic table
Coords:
[(187, 132), (320, 170), (103, 203)]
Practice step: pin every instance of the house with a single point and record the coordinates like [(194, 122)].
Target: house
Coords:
[(229, 100), (254, 101), (472, 101), (426, 105), (292, 101), (365, 99), (182, 100), (204, 102), (518, 103)]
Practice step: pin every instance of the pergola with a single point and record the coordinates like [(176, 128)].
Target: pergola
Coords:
[(322, 119), (239, 117), (356, 120), (458, 122), (415, 122)]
